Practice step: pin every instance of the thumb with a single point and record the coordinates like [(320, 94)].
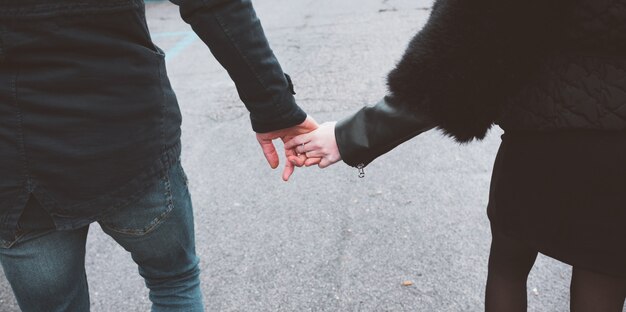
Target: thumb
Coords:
[(325, 162)]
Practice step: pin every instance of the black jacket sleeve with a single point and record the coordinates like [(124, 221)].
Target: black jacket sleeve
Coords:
[(375, 130), (232, 31), (455, 74)]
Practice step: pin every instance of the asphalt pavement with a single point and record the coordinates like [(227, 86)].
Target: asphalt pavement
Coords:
[(326, 240)]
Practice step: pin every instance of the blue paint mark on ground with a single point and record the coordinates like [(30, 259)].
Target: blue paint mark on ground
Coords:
[(187, 38)]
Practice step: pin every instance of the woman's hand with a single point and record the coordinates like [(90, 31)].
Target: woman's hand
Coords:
[(316, 145)]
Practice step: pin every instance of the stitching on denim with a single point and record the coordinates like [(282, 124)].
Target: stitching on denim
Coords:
[(275, 103), (182, 174), (125, 199), (156, 221), (2, 50), (243, 56), (4, 216), (8, 244), (161, 64), (11, 218), (161, 72), (20, 132)]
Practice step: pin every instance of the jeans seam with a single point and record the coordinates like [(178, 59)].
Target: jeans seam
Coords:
[(2, 49), (20, 132), (182, 174)]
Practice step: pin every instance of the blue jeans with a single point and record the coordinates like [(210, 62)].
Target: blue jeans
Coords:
[(46, 267)]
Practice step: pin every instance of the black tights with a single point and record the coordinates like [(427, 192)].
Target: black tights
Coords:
[(510, 262)]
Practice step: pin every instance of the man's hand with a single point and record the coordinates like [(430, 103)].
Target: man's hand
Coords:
[(265, 139)]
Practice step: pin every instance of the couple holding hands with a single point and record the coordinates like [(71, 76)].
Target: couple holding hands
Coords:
[(79, 145)]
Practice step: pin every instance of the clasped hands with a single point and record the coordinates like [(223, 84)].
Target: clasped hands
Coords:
[(306, 144)]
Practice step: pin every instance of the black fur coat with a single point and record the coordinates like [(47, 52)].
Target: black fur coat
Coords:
[(471, 56)]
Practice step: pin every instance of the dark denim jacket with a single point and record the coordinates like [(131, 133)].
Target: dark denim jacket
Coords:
[(88, 119)]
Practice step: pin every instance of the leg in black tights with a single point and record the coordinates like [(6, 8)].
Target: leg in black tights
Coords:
[(595, 292), (510, 262)]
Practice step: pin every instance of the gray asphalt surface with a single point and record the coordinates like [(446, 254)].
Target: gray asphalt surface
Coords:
[(327, 240)]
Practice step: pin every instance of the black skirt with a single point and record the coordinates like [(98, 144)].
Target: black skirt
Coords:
[(564, 193)]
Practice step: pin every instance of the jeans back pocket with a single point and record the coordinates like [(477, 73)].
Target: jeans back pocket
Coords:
[(146, 214)]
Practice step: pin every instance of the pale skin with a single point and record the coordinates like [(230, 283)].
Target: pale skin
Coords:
[(294, 158), (319, 147)]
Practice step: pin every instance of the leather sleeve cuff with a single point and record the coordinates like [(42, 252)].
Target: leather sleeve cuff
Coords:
[(375, 130)]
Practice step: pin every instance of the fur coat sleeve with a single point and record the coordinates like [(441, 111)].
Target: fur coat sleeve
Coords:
[(470, 57)]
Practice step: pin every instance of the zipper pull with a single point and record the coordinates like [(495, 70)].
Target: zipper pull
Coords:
[(361, 170)]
